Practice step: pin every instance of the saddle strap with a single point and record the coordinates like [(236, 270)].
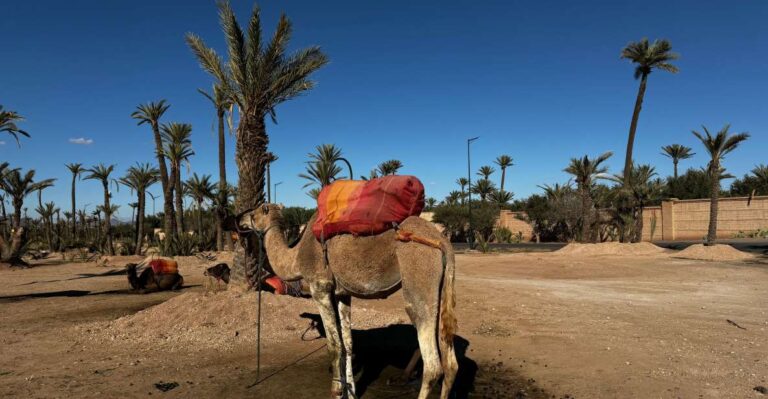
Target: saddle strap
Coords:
[(409, 236)]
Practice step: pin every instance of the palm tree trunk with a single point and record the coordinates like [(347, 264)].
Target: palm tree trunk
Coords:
[(74, 211), (140, 223), (633, 128), (586, 220), (17, 214), (108, 221), (200, 219), (221, 238), (179, 200), (674, 162), (713, 203), (168, 222), (503, 176), (250, 154)]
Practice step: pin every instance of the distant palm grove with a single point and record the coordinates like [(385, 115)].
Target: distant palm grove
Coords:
[(247, 85)]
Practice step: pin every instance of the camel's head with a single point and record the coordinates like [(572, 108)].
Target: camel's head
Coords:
[(257, 219)]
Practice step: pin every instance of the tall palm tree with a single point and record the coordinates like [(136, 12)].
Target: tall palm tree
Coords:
[(718, 146), (486, 171), (484, 188), (8, 120), (647, 56), (177, 148), (677, 152), (454, 197), (322, 168), (221, 103), (257, 77), (76, 169), (139, 178), (102, 173), (389, 167), (585, 170), (151, 113), (200, 189), (504, 162)]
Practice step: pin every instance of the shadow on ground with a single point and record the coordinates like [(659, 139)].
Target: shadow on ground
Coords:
[(382, 354), (76, 293)]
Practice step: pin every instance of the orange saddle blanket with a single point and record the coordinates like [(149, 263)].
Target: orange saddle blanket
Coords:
[(367, 207), (164, 266)]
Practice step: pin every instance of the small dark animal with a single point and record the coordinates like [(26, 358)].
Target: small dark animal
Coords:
[(148, 281), (220, 272)]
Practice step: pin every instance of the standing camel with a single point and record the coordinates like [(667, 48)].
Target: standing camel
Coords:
[(368, 267)]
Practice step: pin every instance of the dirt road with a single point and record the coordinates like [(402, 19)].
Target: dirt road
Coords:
[(531, 325)]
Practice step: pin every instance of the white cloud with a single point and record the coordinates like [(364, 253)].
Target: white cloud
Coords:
[(2, 142), (81, 141)]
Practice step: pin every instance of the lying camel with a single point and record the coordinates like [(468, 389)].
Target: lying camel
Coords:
[(148, 281)]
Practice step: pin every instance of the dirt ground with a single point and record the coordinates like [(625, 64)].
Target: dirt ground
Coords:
[(535, 325)]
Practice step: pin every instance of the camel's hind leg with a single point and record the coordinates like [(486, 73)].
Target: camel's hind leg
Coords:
[(421, 271)]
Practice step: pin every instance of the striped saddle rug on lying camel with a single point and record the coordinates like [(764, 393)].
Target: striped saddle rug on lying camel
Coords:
[(366, 208)]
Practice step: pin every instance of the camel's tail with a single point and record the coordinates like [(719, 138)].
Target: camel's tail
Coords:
[(447, 325)]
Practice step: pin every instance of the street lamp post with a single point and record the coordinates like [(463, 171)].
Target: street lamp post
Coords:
[(471, 237), (275, 190)]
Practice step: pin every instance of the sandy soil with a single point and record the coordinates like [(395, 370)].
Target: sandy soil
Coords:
[(531, 325)]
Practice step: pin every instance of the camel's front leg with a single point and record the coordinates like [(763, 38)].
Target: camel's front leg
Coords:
[(322, 294), (345, 310)]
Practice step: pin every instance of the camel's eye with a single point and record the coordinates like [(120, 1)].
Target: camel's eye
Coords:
[(265, 208)]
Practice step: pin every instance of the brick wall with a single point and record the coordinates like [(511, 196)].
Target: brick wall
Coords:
[(689, 219)]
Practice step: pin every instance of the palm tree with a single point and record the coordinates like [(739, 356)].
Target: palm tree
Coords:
[(221, 102), (647, 56), (177, 148), (761, 175), (504, 162), (151, 113), (585, 170), (77, 170), (101, 173), (483, 188), (454, 197), (46, 212), (258, 77), (556, 192), (718, 146), (430, 203), (139, 178), (322, 168), (8, 125), (462, 182), (18, 187), (389, 167), (501, 198), (200, 189), (677, 152), (642, 189), (271, 157), (486, 171)]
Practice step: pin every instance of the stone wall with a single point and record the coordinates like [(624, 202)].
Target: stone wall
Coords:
[(511, 220)]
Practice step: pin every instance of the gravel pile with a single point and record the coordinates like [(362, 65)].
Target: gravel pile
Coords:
[(719, 252), (611, 248)]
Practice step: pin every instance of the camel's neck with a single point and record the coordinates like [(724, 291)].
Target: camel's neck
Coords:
[(282, 258)]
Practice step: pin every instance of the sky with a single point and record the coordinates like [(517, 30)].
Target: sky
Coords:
[(541, 81)]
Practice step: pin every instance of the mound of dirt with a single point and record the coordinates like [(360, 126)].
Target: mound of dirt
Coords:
[(719, 252), (221, 321), (611, 248)]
